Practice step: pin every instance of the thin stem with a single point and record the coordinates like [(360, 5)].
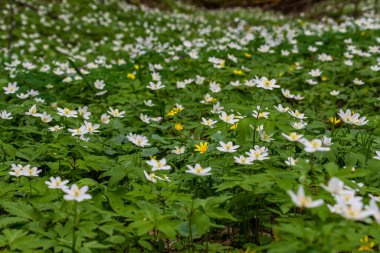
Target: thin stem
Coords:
[(191, 246), (257, 117), (74, 227)]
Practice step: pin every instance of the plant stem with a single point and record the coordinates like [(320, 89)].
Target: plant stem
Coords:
[(74, 227), (191, 246), (30, 186), (257, 117)]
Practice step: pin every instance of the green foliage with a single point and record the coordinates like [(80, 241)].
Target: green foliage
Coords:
[(60, 55)]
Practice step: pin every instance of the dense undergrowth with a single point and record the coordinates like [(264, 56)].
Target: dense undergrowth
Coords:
[(220, 131)]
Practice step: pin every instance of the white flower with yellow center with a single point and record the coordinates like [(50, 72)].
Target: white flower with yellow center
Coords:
[(66, 112), (198, 170), (292, 136), (301, 200), (228, 147), (76, 193)]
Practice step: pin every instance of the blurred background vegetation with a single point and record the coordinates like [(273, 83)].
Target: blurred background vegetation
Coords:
[(310, 8)]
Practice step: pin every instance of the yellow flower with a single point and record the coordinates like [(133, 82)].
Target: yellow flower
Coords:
[(247, 55), (178, 126), (234, 126), (136, 66), (324, 78), (131, 76), (238, 72), (366, 244), (334, 120), (174, 111), (202, 147)]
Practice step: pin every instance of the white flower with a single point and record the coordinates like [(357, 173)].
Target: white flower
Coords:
[(46, 118), (352, 118), (155, 76), (250, 83), (358, 82), (179, 150), (138, 140), (39, 100), (5, 115), (235, 83), (90, 127), (230, 119), (217, 108), (100, 93), (326, 141), (76, 193), (11, 88), (208, 122), (280, 108), (33, 93), (286, 93), (57, 183), (30, 172), (17, 170), (377, 156), (155, 86), (298, 97), (297, 114), (334, 186), (207, 99), (313, 145), (315, 72), (258, 114), (55, 128), (148, 103), (145, 118), (311, 82), (199, 79), (334, 93), (156, 119), (116, 113), (151, 177), (312, 49), (82, 111), (352, 210), (22, 95), (33, 111), (298, 125), (264, 48), (265, 137), (99, 84), (215, 87), (292, 136), (67, 112), (375, 68), (258, 153), (243, 160), (291, 161), (105, 119), (158, 165), (78, 131), (374, 209), (301, 200), (198, 170), (227, 147), (267, 84)]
